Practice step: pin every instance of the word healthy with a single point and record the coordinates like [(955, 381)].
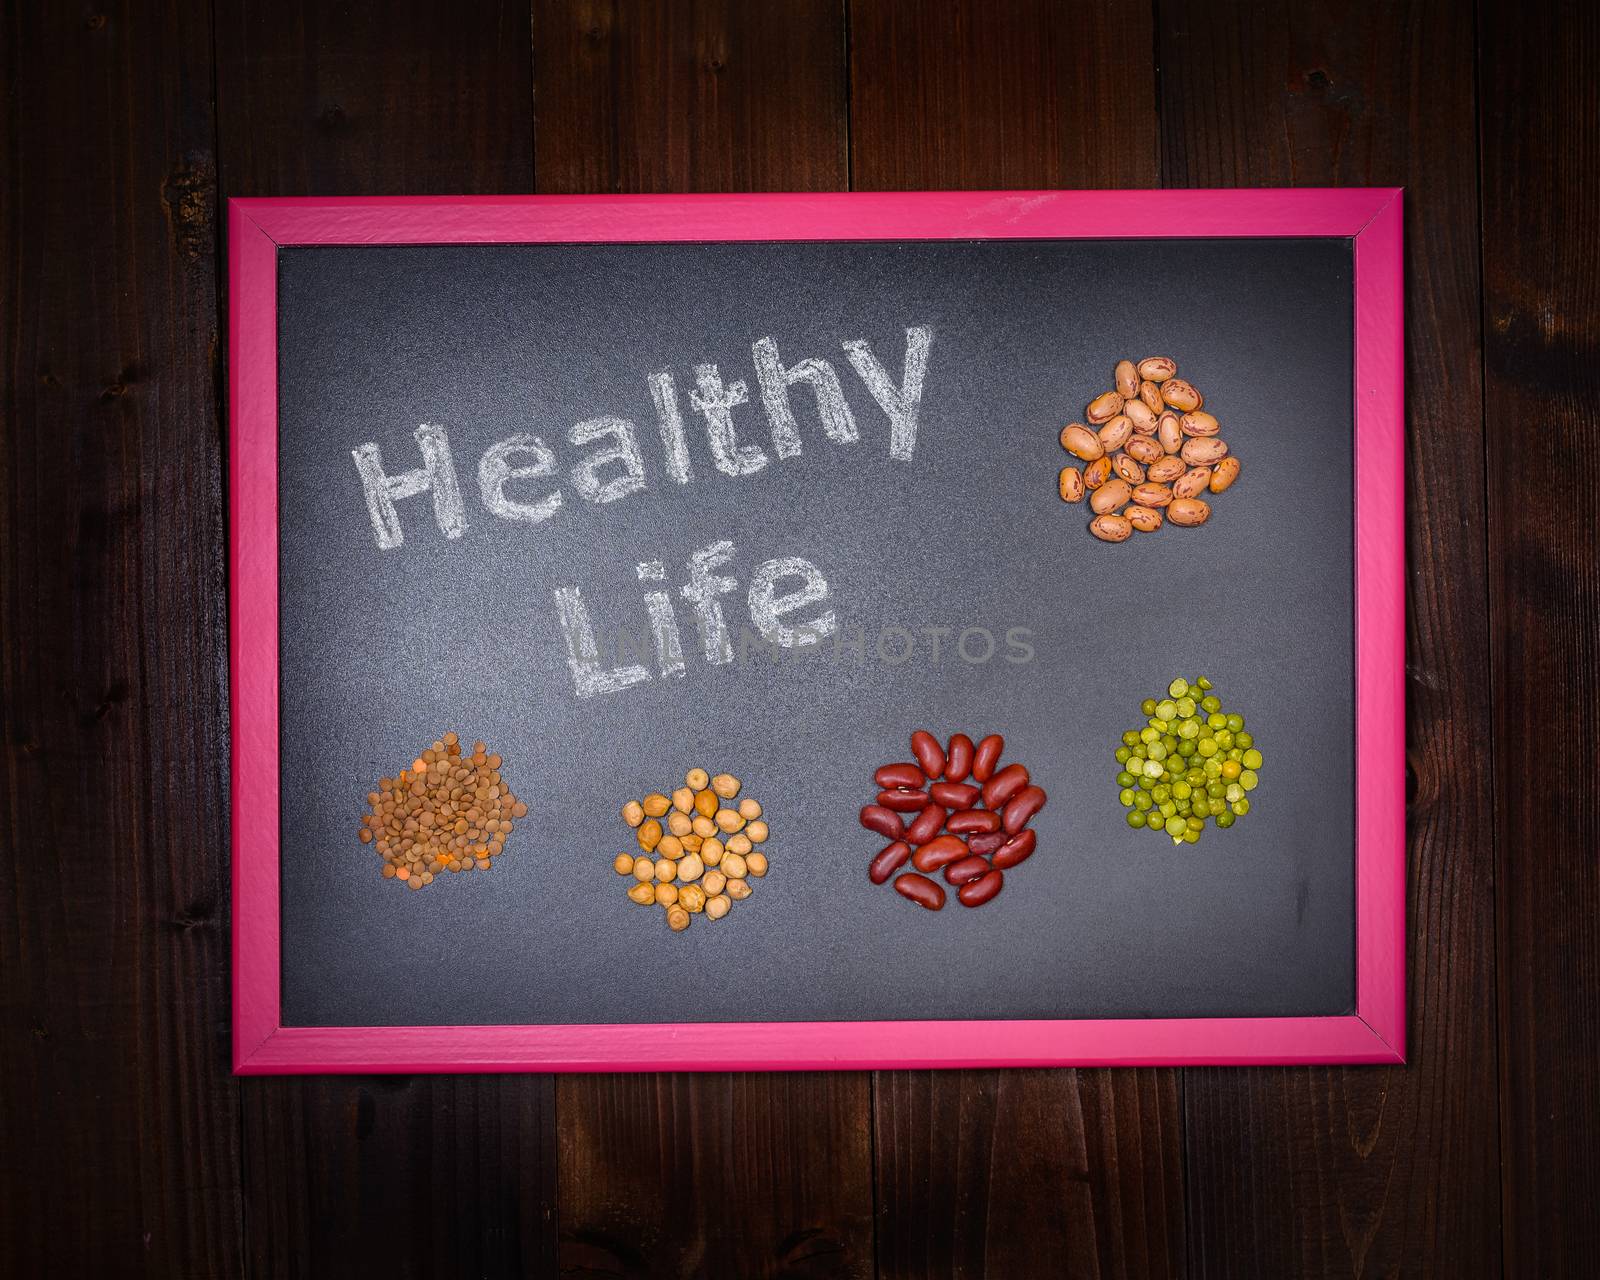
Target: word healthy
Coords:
[(614, 469)]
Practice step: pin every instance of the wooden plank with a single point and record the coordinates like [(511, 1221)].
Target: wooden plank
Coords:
[(1541, 279), (400, 1175), (720, 1174), (403, 98), (118, 1117), (1032, 1172), (961, 94), (1008, 1172), (704, 95), (1372, 1171), (424, 1175)]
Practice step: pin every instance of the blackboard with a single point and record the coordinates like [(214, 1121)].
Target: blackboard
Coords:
[(382, 650)]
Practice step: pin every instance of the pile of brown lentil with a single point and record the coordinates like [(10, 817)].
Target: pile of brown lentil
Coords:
[(447, 812)]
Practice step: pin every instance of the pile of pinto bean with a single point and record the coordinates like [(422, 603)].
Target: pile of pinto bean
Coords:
[(973, 832)]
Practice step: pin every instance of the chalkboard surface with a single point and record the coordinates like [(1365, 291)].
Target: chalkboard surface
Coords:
[(383, 649)]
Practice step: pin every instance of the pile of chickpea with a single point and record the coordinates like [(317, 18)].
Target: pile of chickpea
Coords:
[(697, 848)]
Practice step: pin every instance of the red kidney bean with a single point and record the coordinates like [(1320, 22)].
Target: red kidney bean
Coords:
[(958, 759), (1016, 849), (988, 842), (976, 892), (1004, 785), (886, 822), (970, 821), (928, 824), (964, 869), (987, 757), (939, 852), (921, 890), (929, 754), (890, 860), (899, 775), (904, 801), (1020, 809), (954, 795)]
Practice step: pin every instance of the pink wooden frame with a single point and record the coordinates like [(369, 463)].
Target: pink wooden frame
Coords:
[(1374, 1033)]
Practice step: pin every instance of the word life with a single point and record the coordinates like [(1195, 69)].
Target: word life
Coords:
[(769, 610)]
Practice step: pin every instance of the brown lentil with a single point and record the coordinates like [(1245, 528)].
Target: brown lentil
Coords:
[(446, 811)]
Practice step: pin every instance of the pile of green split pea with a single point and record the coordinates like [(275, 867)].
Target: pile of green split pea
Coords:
[(1191, 761)]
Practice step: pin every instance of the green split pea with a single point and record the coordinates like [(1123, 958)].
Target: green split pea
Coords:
[(1190, 762)]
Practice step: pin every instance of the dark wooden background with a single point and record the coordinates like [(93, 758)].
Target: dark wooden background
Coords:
[(128, 1149)]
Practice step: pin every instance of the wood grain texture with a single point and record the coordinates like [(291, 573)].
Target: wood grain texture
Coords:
[(1541, 205), (697, 95), (127, 1148), (965, 94), (423, 1175), (1002, 1173), (1325, 1171), (710, 95), (119, 1124), (400, 1176), (406, 98), (991, 1172), (748, 1175)]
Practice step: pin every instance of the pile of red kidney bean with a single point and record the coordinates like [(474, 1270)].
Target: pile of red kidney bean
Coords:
[(974, 832)]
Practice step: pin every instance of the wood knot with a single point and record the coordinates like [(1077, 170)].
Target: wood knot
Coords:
[(189, 196), (197, 915), (123, 383)]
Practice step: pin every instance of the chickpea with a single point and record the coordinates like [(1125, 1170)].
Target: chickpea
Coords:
[(698, 844)]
